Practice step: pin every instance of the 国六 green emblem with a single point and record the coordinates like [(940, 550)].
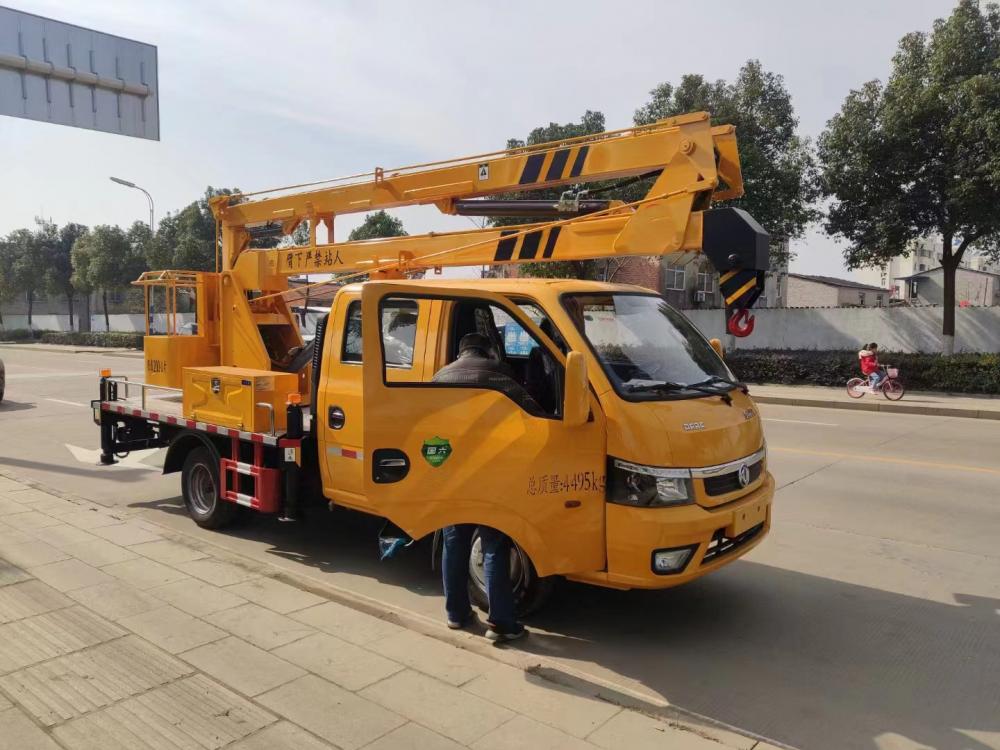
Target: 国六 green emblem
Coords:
[(436, 450)]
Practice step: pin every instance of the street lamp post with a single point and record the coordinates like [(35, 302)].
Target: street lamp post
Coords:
[(126, 183)]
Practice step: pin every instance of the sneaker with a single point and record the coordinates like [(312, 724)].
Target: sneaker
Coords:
[(500, 636), (459, 624)]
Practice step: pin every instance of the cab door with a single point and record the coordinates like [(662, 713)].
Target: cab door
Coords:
[(438, 454)]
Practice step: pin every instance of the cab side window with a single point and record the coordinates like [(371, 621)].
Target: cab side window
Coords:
[(399, 332)]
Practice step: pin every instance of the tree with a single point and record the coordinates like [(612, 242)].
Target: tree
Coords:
[(27, 265), (103, 258), (920, 155), (779, 170), (8, 287), (378, 224), (56, 245), (591, 123)]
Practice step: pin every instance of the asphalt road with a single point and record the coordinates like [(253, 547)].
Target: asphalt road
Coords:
[(870, 618)]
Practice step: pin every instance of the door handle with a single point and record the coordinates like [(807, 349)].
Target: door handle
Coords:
[(335, 417), (389, 465)]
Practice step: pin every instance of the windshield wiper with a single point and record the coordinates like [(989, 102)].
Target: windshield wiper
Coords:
[(667, 385), (716, 379)]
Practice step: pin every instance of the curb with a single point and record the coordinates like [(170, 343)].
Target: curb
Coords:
[(897, 408), (539, 666)]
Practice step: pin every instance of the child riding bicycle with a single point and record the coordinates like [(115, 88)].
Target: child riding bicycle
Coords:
[(870, 367)]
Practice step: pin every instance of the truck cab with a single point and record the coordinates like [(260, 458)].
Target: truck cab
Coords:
[(662, 480)]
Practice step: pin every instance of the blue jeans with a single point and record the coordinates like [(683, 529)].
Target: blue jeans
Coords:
[(874, 378), (496, 564)]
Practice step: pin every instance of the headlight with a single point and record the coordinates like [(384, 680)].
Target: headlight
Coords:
[(648, 486)]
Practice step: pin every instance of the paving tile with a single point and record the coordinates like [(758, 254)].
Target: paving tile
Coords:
[(168, 552), (30, 521), (9, 507), (63, 534), (29, 598), (115, 600), (78, 683), (31, 553), (11, 573), (10, 536), (412, 736), (28, 495), (7, 484), (346, 623), (70, 574), (242, 666), (543, 701), (447, 710), (126, 533), (89, 519), (99, 552), (275, 595), (4, 703), (350, 666), (638, 732), (260, 626), (340, 717), (430, 656), (282, 736), (144, 573), (62, 631), (522, 732), (20, 732), (217, 572), (197, 597), (190, 713), (171, 629)]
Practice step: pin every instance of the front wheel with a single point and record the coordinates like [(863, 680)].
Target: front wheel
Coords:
[(200, 487), (892, 389), (530, 591), (855, 387)]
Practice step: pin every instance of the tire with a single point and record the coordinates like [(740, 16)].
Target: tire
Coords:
[(892, 389), (852, 385), (200, 487), (530, 591)]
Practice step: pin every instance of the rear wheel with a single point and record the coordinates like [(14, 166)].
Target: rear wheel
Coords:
[(855, 387), (892, 389), (201, 490), (530, 591)]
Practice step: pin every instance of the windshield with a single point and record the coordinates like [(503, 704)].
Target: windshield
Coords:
[(641, 342)]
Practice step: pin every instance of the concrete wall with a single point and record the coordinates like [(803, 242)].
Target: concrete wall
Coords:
[(119, 322), (903, 329)]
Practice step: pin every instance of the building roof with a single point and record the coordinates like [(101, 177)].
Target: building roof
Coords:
[(833, 281), (960, 269)]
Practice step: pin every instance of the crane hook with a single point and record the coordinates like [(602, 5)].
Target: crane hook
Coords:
[(741, 323)]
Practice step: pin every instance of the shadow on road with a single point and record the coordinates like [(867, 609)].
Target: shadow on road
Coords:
[(7, 405), (111, 475), (809, 661)]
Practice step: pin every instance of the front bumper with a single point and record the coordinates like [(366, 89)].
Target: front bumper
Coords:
[(721, 534)]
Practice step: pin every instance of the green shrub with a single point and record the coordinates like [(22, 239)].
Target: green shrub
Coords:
[(93, 338), (961, 373), (17, 334)]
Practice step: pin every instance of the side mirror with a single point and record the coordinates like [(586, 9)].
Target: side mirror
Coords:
[(717, 345), (576, 391)]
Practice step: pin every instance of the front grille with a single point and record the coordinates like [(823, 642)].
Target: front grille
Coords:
[(725, 483), (722, 545)]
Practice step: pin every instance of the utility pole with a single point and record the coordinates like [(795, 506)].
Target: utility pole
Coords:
[(126, 183)]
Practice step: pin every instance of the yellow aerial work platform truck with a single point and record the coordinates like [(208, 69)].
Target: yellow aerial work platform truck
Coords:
[(623, 453)]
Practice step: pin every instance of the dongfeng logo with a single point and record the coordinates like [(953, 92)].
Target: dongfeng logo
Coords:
[(744, 475)]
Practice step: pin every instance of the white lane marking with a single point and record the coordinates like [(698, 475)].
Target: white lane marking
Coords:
[(800, 421), (68, 403), (133, 460)]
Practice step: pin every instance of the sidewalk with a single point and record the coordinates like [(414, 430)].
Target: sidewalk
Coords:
[(112, 351), (916, 402), (116, 633)]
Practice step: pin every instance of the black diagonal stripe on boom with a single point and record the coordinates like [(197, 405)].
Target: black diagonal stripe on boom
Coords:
[(559, 159), (550, 243), (581, 157), (505, 246), (529, 248), (532, 168), (734, 283)]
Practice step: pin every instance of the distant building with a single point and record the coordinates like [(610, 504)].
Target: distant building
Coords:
[(826, 291), (925, 255), (972, 287)]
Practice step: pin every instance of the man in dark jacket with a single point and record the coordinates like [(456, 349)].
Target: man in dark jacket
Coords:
[(479, 365)]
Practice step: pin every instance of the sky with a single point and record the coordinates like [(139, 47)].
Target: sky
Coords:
[(257, 94)]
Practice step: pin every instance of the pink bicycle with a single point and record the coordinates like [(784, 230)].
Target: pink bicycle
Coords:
[(889, 386)]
